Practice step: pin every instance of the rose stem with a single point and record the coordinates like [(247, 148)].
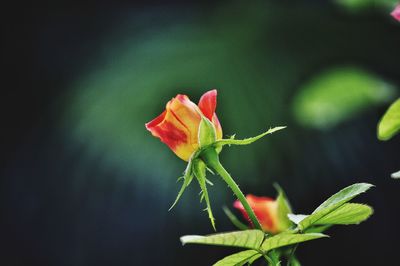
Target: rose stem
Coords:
[(210, 157)]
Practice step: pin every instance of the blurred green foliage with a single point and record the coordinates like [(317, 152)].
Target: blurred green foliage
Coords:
[(256, 55), (390, 123), (138, 75), (93, 186), (357, 5), (338, 94)]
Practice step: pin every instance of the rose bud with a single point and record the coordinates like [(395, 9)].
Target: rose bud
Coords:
[(178, 126), (267, 212)]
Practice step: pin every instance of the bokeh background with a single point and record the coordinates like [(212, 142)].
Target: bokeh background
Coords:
[(83, 182)]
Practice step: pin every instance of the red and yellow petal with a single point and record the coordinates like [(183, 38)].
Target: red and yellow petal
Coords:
[(188, 114), (218, 128), (208, 105), (173, 133)]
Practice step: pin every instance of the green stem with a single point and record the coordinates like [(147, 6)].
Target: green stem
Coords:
[(268, 259), (210, 157), (291, 255)]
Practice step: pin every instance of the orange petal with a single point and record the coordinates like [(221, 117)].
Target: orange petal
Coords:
[(265, 210), (188, 114), (173, 133)]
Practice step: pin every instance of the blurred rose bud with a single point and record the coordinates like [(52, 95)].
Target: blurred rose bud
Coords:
[(396, 13), (267, 212)]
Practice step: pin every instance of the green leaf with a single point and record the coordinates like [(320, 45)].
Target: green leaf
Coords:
[(295, 262), (254, 258), (334, 202), (251, 239), (286, 239), (199, 169), (390, 122), (206, 133), (239, 259), (348, 213), (247, 141), (296, 218), (283, 209), (187, 178), (344, 195), (318, 229), (234, 219), (275, 256), (396, 175), (338, 94)]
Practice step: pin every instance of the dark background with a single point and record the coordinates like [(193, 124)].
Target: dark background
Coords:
[(83, 183)]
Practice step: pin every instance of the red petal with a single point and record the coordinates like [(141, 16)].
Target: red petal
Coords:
[(177, 126), (261, 208), (238, 205), (171, 135), (155, 121), (208, 103)]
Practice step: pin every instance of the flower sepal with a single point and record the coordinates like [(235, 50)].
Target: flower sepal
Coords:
[(187, 179), (197, 168), (207, 135), (232, 141)]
